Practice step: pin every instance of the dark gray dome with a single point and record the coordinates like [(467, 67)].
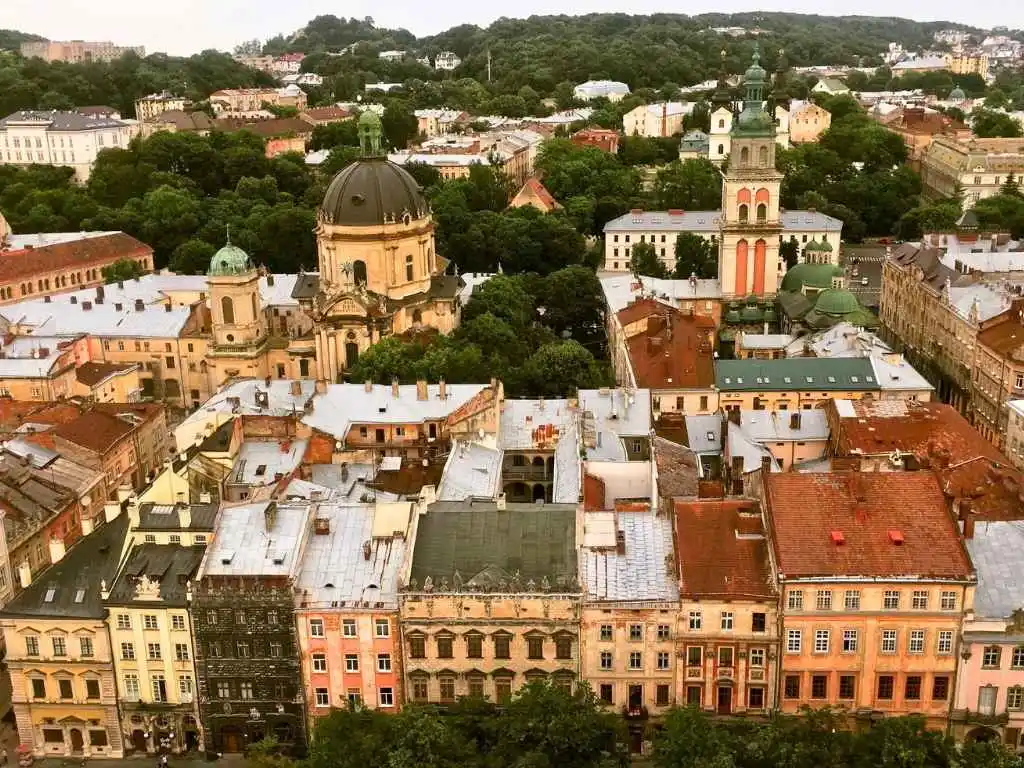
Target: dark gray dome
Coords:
[(372, 191)]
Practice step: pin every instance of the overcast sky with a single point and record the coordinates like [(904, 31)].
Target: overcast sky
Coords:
[(188, 26)]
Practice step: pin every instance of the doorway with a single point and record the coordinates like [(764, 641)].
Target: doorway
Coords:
[(231, 739), (76, 741), (139, 740), (724, 700)]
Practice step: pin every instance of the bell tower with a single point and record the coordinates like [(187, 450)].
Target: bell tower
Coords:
[(748, 260)]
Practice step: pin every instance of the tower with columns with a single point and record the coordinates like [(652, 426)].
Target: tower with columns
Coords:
[(748, 259)]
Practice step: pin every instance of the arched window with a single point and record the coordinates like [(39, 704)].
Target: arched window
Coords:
[(408, 268), (227, 309), (762, 156), (359, 272), (255, 308), (743, 215), (417, 317), (744, 156), (721, 149), (721, 124), (762, 212)]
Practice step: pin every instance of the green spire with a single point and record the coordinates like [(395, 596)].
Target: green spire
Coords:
[(753, 119), (369, 134)]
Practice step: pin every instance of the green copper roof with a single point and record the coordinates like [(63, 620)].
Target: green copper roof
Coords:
[(753, 120), (230, 260), (836, 301), (370, 130), (810, 276), (822, 374)]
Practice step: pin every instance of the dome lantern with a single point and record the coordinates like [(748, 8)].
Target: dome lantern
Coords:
[(230, 260)]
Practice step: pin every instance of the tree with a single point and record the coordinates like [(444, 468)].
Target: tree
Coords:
[(690, 740), (573, 304), (504, 297), (694, 256), (266, 753), (644, 261), (789, 252), (192, 257), (1011, 186), (690, 185), (399, 124), (121, 270), (987, 123)]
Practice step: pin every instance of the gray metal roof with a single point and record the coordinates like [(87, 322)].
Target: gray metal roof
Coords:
[(997, 550), (472, 471), (611, 414), (777, 426), (260, 461), (60, 121), (164, 517), (259, 539), (638, 574), (704, 433), (169, 565), (708, 221), (488, 546)]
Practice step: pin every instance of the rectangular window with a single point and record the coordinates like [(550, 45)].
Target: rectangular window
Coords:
[(1017, 659), (382, 628), (694, 656), (316, 627), (535, 647), (386, 697), (351, 662), (354, 697), (663, 660), (944, 644), (31, 646), (383, 662), (153, 651), (912, 688), (891, 600), (636, 632), (888, 641), (322, 698), (158, 687), (131, 687), (447, 686), (847, 686), (695, 620), (181, 651), (185, 687), (948, 601), (795, 600), (635, 660), (65, 689), (757, 657), (475, 646), (124, 621), (664, 632), (417, 648), (821, 641), (915, 643), (885, 687), (850, 641), (92, 689), (727, 621), (940, 688), (606, 660), (38, 688), (990, 657), (791, 687), (271, 615), (275, 650), (606, 633), (563, 647), (919, 600), (851, 600), (823, 600), (60, 646), (1015, 698), (177, 622), (348, 627), (245, 690), (758, 622), (444, 647), (819, 686), (661, 696), (794, 641), (502, 647), (127, 651), (223, 690), (419, 689), (242, 650), (149, 621)]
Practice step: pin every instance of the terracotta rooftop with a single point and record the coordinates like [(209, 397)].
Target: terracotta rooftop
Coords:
[(1005, 337), (673, 350), (534, 185), (91, 374), (941, 441), (326, 113), (721, 549), (677, 469), (16, 413), (282, 126), (102, 249), (94, 430), (863, 524)]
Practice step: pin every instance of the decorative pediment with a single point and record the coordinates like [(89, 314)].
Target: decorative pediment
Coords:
[(147, 588), (503, 672), (473, 673)]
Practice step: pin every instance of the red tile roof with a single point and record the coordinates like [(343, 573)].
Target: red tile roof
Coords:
[(1005, 338), (91, 251), (673, 351), (721, 550), (868, 512), (533, 184), (316, 114), (95, 431), (943, 444), (91, 374)]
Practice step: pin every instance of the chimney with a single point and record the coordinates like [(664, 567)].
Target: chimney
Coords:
[(270, 280), (184, 516), (168, 307), (966, 515), (664, 118), (270, 516), (321, 386), (99, 294), (737, 466), (133, 512), (295, 388), (111, 510), (766, 465), (56, 550), (266, 382), (620, 542), (366, 550), (368, 386), (24, 574), (500, 502), (205, 498), (442, 389), (421, 390), (86, 306), (394, 388), (794, 420), (86, 526), (140, 305)]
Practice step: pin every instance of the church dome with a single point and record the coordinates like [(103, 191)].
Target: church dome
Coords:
[(230, 260), (815, 276), (836, 301), (957, 94), (372, 191)]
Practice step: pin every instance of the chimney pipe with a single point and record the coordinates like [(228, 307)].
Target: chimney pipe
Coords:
[(111, 510), (184, 516), (442, 389), (394, 387), (295, 389), (56, 550), (421, 390), (24, 574)]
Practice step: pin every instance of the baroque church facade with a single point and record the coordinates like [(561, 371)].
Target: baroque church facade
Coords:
[(379, 275)]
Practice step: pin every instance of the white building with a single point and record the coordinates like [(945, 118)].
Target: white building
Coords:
[(391, 55), (720, 135), (664, 118), (446, 60), (597, 89), (60, 138), (385, 87)]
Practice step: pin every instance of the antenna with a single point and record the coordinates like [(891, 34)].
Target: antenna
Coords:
[(488, 65)]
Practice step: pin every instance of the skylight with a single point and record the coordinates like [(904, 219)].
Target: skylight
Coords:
[(80, 596), (50, 594)]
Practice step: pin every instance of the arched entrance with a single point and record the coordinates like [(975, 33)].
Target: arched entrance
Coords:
[(982, 734), (76, 740), (538, 492)]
